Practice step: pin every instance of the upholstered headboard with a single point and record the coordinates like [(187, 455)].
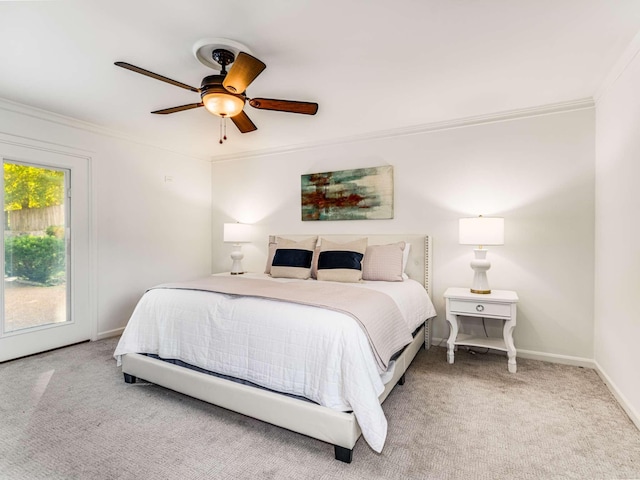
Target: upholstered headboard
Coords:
[(419, 264)]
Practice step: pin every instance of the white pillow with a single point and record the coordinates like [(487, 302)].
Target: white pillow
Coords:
[(405, 260)]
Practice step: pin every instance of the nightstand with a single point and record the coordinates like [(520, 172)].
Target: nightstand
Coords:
[(499, 304)]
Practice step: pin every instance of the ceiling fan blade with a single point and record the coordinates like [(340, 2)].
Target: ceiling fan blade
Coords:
[(181, 108), (243, 122), (243, 71), (142, 71), (291, 106)]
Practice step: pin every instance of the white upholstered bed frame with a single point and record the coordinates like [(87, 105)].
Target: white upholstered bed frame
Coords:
[(338, 428)]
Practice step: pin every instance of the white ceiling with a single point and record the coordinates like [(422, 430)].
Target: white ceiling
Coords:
[(371, 65)]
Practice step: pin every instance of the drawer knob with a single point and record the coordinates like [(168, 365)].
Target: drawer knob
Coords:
[(480, 308)]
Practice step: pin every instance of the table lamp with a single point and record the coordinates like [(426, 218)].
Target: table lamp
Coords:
[(237, 233), (481, 231)]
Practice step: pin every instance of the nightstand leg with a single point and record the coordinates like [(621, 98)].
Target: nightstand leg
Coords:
[(513, 368), (453, 333), (450, 354), (511, 349)]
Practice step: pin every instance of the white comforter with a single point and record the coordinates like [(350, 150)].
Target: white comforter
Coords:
[(307, 351)]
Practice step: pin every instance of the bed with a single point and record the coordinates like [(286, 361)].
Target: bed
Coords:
[(200, 357)]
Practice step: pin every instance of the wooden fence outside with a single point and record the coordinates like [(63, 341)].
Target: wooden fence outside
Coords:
[(34, 219)]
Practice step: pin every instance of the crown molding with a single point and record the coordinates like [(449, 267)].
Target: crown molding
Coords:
[(581, 104), (627, 57), (503, 116), (45, 115)]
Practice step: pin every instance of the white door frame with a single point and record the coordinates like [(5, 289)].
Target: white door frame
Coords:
[(83, 319)]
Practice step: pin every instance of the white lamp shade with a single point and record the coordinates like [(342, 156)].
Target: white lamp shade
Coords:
[(482, 231), (237, 232)]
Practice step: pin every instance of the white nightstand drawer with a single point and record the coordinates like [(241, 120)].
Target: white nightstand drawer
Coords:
[(480, 308)]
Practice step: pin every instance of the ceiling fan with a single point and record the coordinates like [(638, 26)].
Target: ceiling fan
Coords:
[(225, 94)]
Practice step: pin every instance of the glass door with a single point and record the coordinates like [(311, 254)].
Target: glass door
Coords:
[(35, 247), (45, 294)]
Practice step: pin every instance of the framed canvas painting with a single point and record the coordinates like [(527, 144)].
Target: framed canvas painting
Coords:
[(359, 194)]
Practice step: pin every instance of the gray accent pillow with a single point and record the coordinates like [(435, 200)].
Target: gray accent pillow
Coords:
[(384, 262)]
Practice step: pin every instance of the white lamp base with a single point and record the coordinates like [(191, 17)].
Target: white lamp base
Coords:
[(237, 256), (480, 265)]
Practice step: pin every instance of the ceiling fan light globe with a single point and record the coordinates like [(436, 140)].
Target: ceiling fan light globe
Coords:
[(223, 104)]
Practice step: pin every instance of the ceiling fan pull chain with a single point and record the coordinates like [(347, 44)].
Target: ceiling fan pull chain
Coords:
[(223, 121)]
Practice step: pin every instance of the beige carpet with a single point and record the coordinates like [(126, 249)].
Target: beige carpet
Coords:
[(68, 414)]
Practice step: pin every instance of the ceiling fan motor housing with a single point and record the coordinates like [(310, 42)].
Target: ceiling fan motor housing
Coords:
[(219, 100)]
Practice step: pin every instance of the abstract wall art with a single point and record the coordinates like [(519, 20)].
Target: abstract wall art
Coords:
[(359, 194)]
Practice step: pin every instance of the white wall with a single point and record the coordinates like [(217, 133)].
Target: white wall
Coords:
[(145, 231), (617, 286), (537, 172)]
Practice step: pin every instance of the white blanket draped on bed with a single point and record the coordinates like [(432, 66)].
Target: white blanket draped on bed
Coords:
[(319, 354), (376, 312)]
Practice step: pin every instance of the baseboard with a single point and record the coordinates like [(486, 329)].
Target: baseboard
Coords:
[(634, 416), (555, 358), (533, 355), (109, 333)]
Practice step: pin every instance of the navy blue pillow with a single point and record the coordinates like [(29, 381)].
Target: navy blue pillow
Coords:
[(292, 257), (340, 259)]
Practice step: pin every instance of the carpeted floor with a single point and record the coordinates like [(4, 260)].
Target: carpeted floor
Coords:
[(67, 414)]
